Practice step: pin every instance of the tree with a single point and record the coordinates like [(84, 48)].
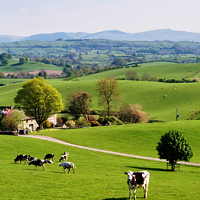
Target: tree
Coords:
[(4, 61), (173, 147), (1, 75), (132, 75), (39, 100), (145, 77), (108, 92), (119, 61), (77, 103), (12, 120), (22, 60), (198, 59)]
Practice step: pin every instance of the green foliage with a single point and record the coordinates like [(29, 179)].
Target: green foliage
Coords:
[(39, 100), (82, 123), (119, 61), (173, 147), (23, 60), (110, 120), (78, 103)]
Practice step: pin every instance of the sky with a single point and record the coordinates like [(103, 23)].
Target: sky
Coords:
[(29, 17)]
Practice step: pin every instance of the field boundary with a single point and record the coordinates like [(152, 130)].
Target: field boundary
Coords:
[(100, 150)]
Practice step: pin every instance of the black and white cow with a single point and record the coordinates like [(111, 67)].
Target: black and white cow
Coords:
[(49, 156), (138, 180), (30, 158), (64, 156), (67, 165), (40, 163), (20, 158)]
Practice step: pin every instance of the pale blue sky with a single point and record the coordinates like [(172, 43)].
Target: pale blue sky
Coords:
[(28, 17)]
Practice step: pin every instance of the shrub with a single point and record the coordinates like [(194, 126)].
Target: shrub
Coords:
[(12, 120), (91, 118), (154, 79), (110, 120), (95, 123), (70, 123), (46, 124), (59, 120), (82, 123), (133, 114)]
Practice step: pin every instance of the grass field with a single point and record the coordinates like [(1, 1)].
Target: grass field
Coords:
[(98, 175), (31, 66)]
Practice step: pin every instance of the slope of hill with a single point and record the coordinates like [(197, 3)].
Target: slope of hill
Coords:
[(161, 34)]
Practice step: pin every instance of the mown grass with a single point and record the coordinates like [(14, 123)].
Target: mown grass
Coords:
[(136, 139), (98, 175)]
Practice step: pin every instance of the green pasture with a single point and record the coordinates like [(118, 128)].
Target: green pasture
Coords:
[(31, 66), (98, 175), (122, 138), (158, 100)]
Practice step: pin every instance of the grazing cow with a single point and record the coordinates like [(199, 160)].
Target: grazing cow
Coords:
[(67, 165), (30, 158), (49, 156), (20, 158), (64, 156), (137, 180), (40, 163)]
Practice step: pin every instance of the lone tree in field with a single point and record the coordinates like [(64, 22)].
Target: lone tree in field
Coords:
[(39, 100), (173, 147), (78, 103), (108, 92)]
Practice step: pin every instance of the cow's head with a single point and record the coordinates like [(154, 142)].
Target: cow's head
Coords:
[(129, 176)]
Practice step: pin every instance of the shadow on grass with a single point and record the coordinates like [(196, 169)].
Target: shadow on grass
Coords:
[(116, 198), (16, 64), (148, 168)]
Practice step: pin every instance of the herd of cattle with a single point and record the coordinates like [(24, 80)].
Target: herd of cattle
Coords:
[(134, 179), (39, 162)]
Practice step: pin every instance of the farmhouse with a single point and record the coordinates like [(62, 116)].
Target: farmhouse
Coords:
[(29, 123)]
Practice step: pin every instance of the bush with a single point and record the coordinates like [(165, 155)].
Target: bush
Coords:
[(82, 123), (70, 123), (110, 120), (133, 114), (95, 123), (91, 118), (59, 120), (46, 124)]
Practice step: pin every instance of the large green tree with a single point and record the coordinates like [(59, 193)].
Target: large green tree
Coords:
[(39, 100), (173, 147), (108, 92)]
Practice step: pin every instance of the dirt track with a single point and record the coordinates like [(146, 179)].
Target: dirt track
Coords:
[(104, 151)]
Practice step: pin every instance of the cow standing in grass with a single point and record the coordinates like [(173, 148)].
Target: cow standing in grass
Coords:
[(67, 165), (20, 158), (137, 180)]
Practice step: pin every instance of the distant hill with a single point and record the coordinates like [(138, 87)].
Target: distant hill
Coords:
[(161, 35)]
